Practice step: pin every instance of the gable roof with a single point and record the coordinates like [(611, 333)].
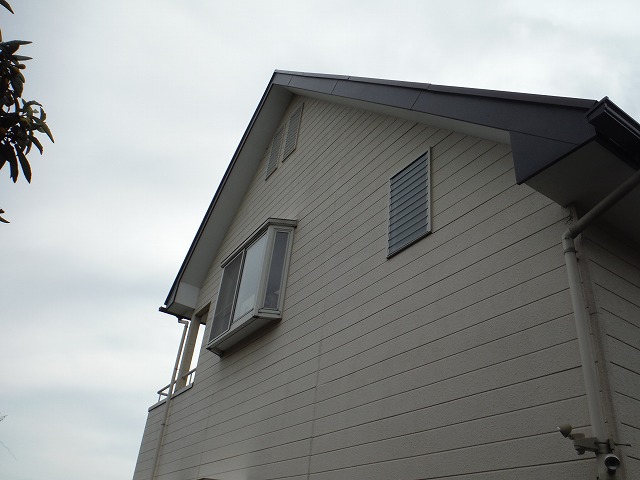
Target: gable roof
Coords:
[(548, 135)]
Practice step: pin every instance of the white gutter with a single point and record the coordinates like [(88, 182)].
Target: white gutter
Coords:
[(163, 425), (594, 399)]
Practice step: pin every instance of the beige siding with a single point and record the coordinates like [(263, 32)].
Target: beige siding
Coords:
[(149, 443), (614, 267), (457, 351)]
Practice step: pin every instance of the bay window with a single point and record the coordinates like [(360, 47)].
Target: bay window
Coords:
[(251, 293)]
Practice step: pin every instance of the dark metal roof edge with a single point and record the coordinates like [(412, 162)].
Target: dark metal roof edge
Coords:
[(214, 201), (516, 96), (314, 75), (606, 106), (476, 92)]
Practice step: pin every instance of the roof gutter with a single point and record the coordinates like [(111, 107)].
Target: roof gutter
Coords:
[(617, 126)]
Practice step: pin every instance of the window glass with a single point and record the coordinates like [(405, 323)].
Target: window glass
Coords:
[(250, 278), (252, 286), (224, 305), (274, 281)]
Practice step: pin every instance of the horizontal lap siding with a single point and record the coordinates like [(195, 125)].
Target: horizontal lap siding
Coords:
[(614, 267), (460, 346), (144, 464), (444, 328)]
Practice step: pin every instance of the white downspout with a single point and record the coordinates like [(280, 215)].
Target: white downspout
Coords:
[(594, 399), (156, 456)]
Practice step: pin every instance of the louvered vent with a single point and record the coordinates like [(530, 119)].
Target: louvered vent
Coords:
[(275, 151), (409, 206), (292, 132)]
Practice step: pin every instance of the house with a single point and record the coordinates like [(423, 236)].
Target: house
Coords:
[(399, 281)]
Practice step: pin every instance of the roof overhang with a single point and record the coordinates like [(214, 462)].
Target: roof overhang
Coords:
[(589, 172), (550, 137)]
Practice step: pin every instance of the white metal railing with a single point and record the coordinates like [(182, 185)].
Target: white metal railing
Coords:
[(187, 378)]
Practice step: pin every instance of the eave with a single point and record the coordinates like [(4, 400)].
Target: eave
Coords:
[(547, 134)]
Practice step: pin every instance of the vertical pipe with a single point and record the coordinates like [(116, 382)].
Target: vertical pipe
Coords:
[(168, 400), (587, 358)]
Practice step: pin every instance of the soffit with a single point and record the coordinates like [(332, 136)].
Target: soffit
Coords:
[(586, 176)]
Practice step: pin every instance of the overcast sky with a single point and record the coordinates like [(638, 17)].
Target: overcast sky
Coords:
[(147, 101)]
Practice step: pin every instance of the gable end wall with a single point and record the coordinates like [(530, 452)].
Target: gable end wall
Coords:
[(458, 350)]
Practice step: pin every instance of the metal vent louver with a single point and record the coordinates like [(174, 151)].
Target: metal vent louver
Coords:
[(275, 151), (292, 132), (409, 209)]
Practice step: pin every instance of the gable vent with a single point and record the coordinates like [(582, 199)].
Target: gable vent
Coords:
[(409, 209), (292, 132), (275, 151)]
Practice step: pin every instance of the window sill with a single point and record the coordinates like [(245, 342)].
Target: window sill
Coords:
[(241, 329)]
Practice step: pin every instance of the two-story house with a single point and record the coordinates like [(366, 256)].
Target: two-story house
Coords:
[(410, 281)]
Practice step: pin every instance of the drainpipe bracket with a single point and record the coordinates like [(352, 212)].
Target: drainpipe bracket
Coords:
[(568, 244)]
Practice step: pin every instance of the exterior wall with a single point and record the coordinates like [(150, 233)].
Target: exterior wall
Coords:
[(149, 442), (455, 357), (614, 268)]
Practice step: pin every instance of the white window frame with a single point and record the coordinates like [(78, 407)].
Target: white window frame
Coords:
[(259, 315)]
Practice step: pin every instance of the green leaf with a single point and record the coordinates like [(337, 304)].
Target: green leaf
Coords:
[(24, 163), (6, 5), (12, 46), (2, 219), (21, 58), (10, 155), (37, 143), (12, 43), (17, 84), (18, 42), (46, 130), (9, 120)]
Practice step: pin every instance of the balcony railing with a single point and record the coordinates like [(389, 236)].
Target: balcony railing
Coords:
[(183, 382)]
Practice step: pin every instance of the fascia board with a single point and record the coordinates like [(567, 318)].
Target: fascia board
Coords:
[(549, 127), (490, 133), (557, 118), (558, 122)]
